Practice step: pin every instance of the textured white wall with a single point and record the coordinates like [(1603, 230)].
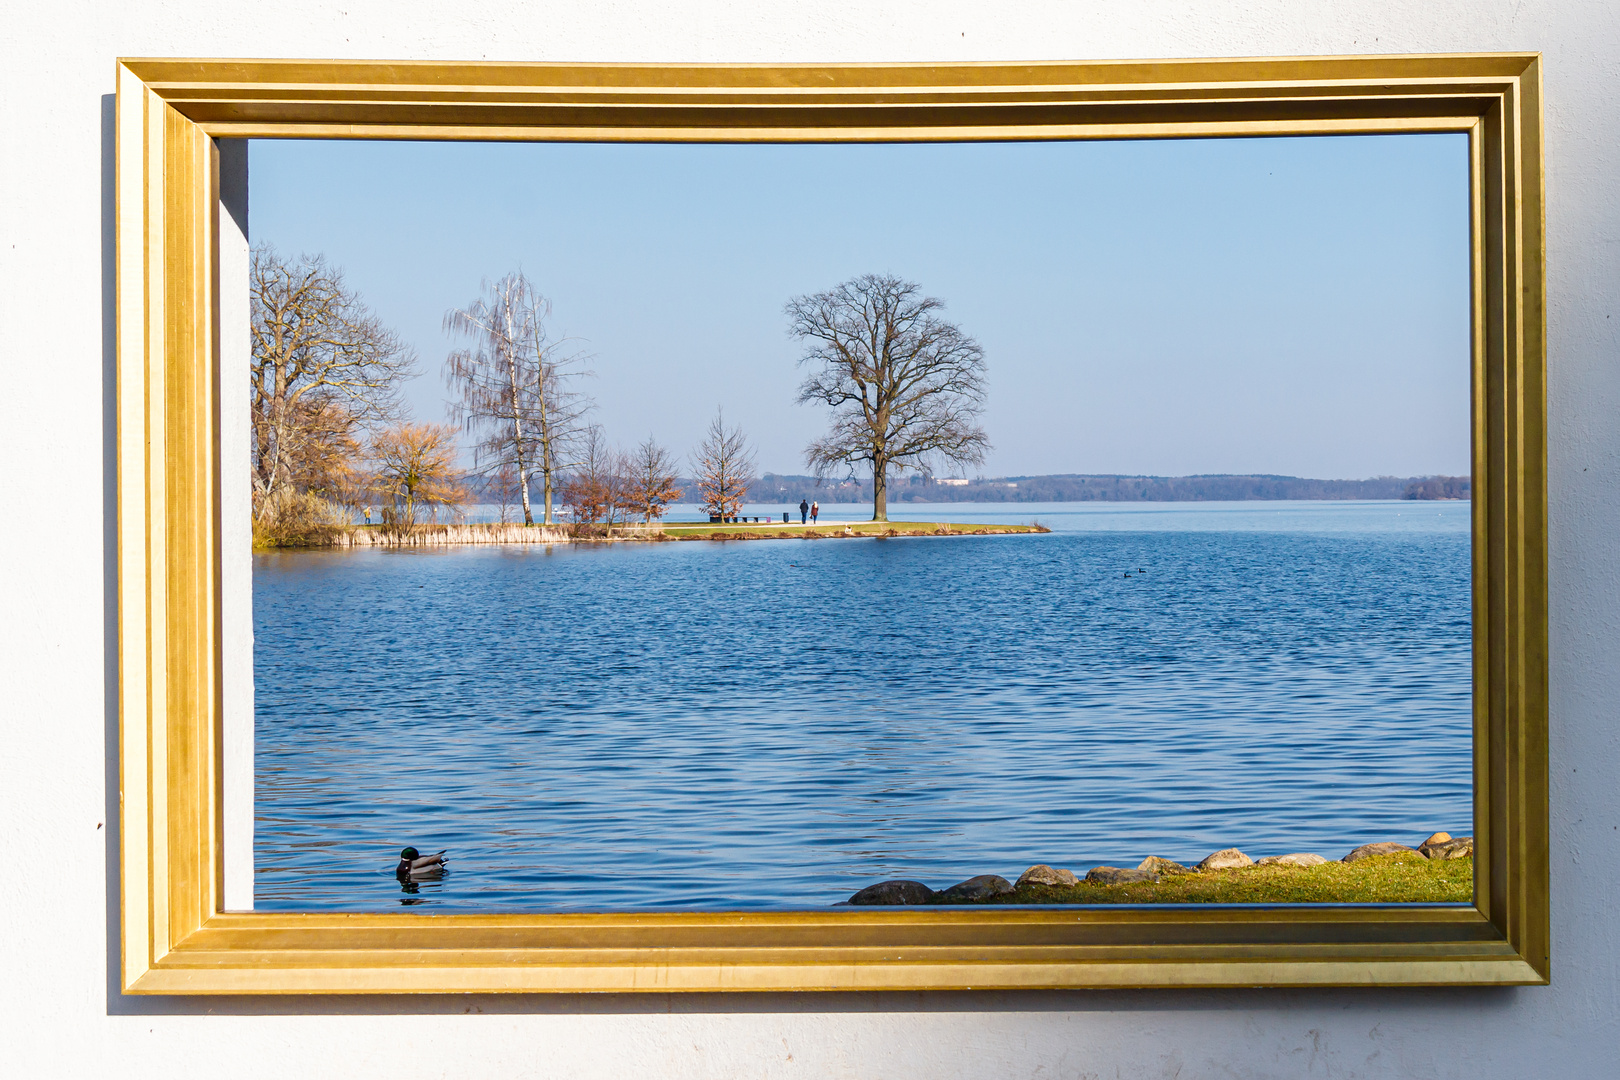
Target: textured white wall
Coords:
[(60, 1014)]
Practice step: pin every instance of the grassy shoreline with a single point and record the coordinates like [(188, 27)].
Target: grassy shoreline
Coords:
[(1402, 878), (433, 535), (843, 529)]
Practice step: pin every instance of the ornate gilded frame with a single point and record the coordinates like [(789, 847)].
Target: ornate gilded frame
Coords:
[(177, 939)]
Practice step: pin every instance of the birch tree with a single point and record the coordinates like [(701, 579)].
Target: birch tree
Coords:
[(513, 387), (724, 464), (324, 370), (905, 386)]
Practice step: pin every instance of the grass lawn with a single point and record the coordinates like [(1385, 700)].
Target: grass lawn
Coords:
[(795, 531), (1402, 878)]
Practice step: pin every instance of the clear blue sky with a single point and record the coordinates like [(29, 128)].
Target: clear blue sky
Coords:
[(1286, 305)]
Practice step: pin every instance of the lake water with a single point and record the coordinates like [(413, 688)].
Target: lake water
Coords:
[(776, 724)]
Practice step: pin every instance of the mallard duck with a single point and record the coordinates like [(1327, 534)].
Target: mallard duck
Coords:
[(413, 864)]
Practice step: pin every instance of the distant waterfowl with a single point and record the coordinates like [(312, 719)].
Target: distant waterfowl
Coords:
[(413, 864)]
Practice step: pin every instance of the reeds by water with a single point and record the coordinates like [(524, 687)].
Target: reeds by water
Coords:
[(431, 535)]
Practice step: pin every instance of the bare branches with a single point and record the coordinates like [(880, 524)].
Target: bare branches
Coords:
[(650, 475), (906, 387), (596, 488), (724, 464), (514, 385), (324, 368), (414, 465)]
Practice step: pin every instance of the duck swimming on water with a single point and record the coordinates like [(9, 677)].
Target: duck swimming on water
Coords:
[(413, 864)]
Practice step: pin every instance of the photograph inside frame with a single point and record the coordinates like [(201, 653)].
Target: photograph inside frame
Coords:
[(777, 527)]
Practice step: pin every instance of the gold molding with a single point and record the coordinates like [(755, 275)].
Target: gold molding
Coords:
[(176, 938)]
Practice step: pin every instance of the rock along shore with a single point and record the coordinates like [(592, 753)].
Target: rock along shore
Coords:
[(1046, 884)]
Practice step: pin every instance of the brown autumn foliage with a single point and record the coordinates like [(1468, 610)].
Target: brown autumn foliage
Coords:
[(323, 370), (725, 467), (650, 481), (414, 466), (596, 488)]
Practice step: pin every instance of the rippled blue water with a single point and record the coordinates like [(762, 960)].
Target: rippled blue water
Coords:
[(775, 724)]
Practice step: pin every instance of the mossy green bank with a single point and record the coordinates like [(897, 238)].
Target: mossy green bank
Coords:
[(1402, 878)]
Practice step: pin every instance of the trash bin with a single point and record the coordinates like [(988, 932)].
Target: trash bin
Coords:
[(784, 519)]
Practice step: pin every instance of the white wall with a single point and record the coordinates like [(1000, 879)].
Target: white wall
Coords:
[(60, 1014)]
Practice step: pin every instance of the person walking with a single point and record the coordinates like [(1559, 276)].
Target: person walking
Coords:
[(804, 511), (815, 508)]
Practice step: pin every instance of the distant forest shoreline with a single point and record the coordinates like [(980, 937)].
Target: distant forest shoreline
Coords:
[(1108, 487), (1082, 487)]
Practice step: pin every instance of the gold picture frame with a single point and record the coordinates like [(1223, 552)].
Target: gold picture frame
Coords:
[(176, 937)]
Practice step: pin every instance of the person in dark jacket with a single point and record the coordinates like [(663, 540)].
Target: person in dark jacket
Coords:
[(804, 511)]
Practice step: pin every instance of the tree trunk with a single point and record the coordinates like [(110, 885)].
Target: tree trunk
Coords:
[(547, 457), (880, 492), (547, 471), (517, 434)]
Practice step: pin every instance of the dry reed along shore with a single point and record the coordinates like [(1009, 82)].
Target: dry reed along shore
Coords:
[(432, 534)]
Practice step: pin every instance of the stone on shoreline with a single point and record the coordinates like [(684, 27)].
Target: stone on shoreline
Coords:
[(1302, 858), (982, 887), (1155, 865), (898, 891), (1460, 848), (1117, 875), (1225, 859), (1041, 874), (1386, 847), (1435, 838)]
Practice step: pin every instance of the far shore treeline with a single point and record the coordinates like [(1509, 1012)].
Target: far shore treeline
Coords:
[(1110, 487)]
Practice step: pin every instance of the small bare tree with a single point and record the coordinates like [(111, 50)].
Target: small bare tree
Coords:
[(724, 464), (414, 465), (503, 485), (595, 489), (650, 481), (514, 385), (324, 369), (906, 387)]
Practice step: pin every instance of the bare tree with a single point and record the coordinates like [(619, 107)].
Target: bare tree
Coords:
[(415, 465), (504, 486), (724, 464), (514, 386), (595, 489), (906, 387), (324, 369), (650, 480)]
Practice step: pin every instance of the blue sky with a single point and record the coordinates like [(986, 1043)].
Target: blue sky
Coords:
[(1283, 305)]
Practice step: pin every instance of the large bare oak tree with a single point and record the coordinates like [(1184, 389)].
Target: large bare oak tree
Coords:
[(514, 383), (906, 387), (324, 369)]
